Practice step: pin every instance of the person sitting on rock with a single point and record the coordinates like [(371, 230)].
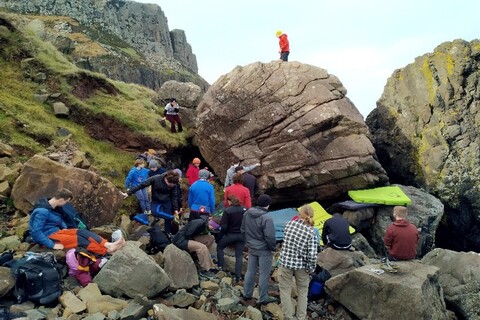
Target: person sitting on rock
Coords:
[(401, 237), (194, 237), (83, 265), (47, 228), (336, 233), (230, 234)]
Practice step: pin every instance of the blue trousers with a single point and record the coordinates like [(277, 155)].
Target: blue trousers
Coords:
[(262, 263), (142, 197)]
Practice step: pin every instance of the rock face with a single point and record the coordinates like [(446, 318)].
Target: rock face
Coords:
[(180, 268), (96, 198), (294, 119), (425, 213), (412, 293), (126, 274), (459, 278), (119, 26), (425, 130)]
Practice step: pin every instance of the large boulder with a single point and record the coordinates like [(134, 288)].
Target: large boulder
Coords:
[(294, 119), (425, 213), (96, 198), (459, 278), (426, 131), (412, 293), (180, 268), (187, 94), (131, 272)]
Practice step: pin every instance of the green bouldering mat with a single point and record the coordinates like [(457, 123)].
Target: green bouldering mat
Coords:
[(391, 195)]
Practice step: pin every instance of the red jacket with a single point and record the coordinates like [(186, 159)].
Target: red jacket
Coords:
[(192, 173), (239, 191), (401, 240), (284, 44)]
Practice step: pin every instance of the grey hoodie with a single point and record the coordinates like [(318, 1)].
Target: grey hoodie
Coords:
[(257, 226)]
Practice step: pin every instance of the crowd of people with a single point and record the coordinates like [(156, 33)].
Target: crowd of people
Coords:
[(244, 224)]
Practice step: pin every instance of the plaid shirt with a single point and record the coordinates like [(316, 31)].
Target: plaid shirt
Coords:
[(299, 249)]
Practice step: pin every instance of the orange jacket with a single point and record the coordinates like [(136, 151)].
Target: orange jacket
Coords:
[(284, 44)]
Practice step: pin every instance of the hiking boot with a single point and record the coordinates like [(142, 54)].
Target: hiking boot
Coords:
[(246, 301), (269, 299)]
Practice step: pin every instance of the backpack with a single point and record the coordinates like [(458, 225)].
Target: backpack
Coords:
[(72, 218), (37, 278), (6, 258), (159, 240)]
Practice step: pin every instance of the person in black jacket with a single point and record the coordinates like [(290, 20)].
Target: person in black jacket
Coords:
[(194, 237), (230, 234), (165, 196), (336, 233)]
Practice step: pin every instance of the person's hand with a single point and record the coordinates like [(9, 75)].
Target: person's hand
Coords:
[(58, 246), (257, 164), (124, 194)]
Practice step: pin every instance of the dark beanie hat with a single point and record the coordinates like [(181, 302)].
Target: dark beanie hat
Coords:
[(264, 200)]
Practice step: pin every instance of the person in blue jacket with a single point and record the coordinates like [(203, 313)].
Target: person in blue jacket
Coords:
[(137, 175), (201, 197)]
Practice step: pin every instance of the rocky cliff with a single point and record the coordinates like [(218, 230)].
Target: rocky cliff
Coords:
[(133, 39), (425, 130)]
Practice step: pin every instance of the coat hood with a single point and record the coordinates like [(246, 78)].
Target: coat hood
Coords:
[(401, 223)]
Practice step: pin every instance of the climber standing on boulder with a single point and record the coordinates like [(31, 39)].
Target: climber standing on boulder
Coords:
[(171, 113), (284, 45)]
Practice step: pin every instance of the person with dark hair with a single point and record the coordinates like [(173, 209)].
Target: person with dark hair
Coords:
[(297, 260), (47, 228), (249, 181), (336, 233), (257, 226), (165, 203), (230, 234), (239, 191), (171, 113), (201, 197), (136, 175), (194, 237)]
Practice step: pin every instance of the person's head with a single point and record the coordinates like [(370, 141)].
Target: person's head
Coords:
[(233, 201), (139, 163), (237, 178), (278, 33), (153, 165), (196, 162), (239, 169), (173, 101), (151, 152), (306, 214), (203, 174), (399, 212), (171, 178), (61, 198), (264, 201), (178, 171)]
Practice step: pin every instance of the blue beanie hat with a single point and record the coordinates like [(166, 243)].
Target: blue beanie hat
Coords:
[(142, 218)]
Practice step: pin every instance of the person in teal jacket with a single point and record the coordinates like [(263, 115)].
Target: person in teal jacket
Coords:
[(137, 175)]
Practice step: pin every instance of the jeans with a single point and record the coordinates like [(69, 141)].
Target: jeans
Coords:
[(262, 263), (227, 240), (142, 197), (284, 55)]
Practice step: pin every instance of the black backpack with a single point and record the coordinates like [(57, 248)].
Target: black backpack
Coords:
[(37, 278), (159, 240)]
